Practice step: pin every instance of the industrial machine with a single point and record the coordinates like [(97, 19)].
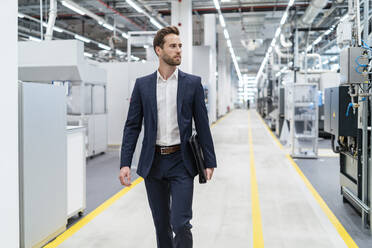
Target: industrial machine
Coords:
[(301, 110), (348, 116), (62, 62), (348, 119)]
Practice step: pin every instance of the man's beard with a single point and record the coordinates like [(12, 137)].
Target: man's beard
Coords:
[(172, 62)]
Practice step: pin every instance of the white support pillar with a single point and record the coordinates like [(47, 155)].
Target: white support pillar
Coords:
[(224, 77), (210, 40), (182, 18), (9, 214)]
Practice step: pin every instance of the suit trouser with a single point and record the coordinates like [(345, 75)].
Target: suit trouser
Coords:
[(170, 191)]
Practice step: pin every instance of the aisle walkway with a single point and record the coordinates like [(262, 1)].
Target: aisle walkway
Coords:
[(286, 214)]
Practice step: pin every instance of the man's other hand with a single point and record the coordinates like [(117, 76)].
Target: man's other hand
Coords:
[(124, 176), (209, 172)]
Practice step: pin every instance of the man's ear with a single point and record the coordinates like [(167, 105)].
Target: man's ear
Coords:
[(157, 50)]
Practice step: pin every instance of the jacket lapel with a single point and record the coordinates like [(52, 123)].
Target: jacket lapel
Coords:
[(180, 91), (153, 100)]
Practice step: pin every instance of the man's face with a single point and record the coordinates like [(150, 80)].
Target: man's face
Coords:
[(171, 51)]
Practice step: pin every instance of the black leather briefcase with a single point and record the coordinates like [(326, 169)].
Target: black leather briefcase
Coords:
[(198, 156)]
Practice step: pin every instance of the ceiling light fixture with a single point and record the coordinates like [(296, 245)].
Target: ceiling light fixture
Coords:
[(229, 43), (317, 40), (34, 38), (108, 26), (226, 34), (217, 4), (78, 37), (222, 21), (284, 18), (104, 47), (88, 55), (277, 33), (73, 7), (135, 6), (227, 37), (157, 24), (57, 29)]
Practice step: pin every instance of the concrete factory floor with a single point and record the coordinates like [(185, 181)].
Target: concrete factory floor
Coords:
[(258, 197)]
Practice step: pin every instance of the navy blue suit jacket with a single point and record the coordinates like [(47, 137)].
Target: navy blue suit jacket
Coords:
[(143, 106)]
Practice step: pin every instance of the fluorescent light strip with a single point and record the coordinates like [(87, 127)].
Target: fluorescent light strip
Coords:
[(229, 43), (86, 40), (284, 18), (277, 33), (222, 21), (57, 29), (34, 38), (119, 52), (73, 8), (273, 42), (317, 40), (135, 6), (227, 37), (153, 21), (88, 55), (217, 4), (104, 47), (108, 26), (135, 58), (76, 36)]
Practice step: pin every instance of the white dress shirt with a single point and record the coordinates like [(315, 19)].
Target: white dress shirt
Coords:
[(166, 93)]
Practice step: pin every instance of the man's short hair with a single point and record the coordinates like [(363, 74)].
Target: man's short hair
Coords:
[(159, 37)]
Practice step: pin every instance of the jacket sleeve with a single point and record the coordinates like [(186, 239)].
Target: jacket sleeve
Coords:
[(200, 114), (132, 127)]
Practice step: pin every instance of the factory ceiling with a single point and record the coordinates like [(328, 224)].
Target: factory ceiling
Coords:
[(250, 23)]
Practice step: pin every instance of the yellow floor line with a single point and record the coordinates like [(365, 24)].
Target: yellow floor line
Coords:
[(258, 241), (69, 232), (81, 223), (332, 218), (220, 119)]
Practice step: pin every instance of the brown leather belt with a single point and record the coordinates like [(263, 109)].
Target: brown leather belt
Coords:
[(165, 150)]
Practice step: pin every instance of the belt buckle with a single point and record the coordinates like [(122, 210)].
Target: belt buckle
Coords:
[(161, 151)]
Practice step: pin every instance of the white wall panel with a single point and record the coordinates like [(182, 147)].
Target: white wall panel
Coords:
[(9, 207), (120, 82)]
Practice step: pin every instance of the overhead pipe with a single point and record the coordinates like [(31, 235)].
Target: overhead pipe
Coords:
[(281, 54), (312, 11), (284, 43), (52, 19)]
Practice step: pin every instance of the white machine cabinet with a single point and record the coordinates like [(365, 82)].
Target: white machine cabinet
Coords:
[(76, 171), (42, 163), (302, 110)]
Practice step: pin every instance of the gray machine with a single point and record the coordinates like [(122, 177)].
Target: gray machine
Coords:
[(348, 120), (42, 163)]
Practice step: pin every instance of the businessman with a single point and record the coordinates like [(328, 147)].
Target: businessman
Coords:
[(167, 101)]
